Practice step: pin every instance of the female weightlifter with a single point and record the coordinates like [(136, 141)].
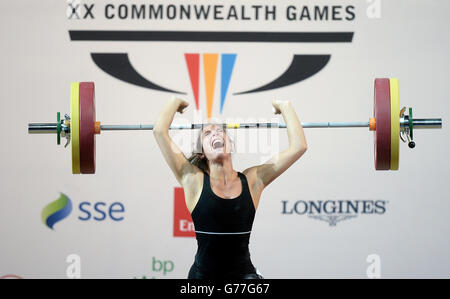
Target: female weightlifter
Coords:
[(221, 200)]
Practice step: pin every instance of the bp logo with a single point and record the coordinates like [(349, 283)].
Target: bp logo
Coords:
[(56, 211)]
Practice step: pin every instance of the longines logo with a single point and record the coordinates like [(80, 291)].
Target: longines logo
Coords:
[(120, 66), (334, 211)]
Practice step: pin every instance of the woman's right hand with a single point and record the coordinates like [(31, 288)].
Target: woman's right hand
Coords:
[(165, 117), (182, 104)]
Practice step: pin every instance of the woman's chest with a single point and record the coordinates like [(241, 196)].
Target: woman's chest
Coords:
[(227, 191)]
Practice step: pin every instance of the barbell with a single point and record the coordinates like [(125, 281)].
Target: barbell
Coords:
[(389, 123)]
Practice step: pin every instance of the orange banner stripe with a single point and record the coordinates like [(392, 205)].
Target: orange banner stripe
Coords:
[(210, 70)]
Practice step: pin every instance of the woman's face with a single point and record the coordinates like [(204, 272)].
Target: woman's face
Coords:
[(215, 142)]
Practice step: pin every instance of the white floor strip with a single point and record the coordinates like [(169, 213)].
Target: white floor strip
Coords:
[(214, 233)]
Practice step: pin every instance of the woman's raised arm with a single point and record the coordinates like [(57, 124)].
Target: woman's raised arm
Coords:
[(178, 163), (264, 174)]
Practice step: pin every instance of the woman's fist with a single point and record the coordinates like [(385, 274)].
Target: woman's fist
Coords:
[(181, 104), (277, 105)]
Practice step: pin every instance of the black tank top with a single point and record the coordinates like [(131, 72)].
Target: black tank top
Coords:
[(223, 228)]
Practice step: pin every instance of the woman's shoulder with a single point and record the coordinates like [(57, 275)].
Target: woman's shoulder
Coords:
[(193, 179), (193, 187), (250, 172), (251, 175)]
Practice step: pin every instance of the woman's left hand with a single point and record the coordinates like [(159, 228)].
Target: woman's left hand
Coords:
[(277, 104)]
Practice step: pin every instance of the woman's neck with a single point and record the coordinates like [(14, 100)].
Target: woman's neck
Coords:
[(222, 172)]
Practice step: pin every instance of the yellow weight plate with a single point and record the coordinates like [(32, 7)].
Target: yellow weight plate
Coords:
[(75, 126), (395, 123)]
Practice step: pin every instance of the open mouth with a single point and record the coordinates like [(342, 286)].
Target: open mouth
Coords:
[(217, 143)]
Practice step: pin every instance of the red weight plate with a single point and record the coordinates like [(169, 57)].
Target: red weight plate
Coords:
[(382, 114), (87, 134)]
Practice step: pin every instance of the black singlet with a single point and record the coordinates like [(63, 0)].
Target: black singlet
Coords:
[(222, 228)]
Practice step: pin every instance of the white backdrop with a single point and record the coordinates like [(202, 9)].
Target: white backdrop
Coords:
[(409, 40)]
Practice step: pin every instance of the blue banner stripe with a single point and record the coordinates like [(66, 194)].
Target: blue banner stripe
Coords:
[(227, 69)]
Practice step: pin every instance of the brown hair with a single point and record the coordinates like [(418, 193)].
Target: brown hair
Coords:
[(198, 158)]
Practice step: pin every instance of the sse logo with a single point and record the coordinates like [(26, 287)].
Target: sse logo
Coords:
[(62, 207), (56, 211)]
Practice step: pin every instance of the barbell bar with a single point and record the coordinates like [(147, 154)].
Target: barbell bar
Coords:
[(389, 123), (429, 123)]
